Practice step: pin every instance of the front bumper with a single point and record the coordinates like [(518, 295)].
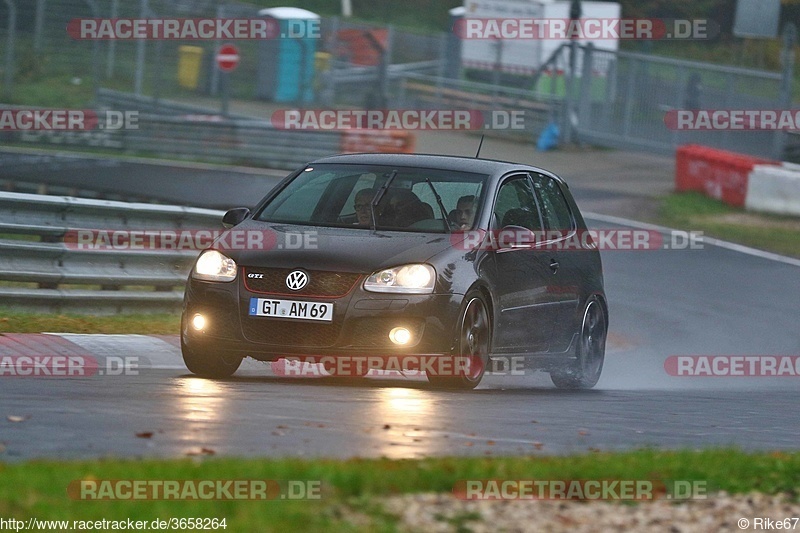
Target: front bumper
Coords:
[(360, 326)]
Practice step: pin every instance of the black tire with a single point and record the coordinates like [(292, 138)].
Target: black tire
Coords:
[(473, 345), (590, 350), (210, 364)]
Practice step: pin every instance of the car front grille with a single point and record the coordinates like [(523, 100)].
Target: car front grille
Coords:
[(294, 333), (321, 283)]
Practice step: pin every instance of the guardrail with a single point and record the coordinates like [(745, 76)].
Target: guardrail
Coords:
[(175, 130), (41, 270), (230, 141), (426, 92)]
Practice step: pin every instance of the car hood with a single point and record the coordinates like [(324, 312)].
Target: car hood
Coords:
[(335, 249)]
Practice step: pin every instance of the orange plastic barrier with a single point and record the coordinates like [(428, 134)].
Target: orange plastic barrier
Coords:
[(378, 141), (716, 173), (359, 48)]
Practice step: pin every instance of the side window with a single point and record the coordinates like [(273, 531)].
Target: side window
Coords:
[(555, 210), (516, 205)]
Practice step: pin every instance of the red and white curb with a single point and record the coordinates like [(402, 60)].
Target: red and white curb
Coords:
[(146, 352)]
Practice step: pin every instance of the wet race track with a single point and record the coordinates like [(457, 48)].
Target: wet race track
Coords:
[(704, 302)]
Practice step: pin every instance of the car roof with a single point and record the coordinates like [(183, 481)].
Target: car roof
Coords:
[(444, 162)]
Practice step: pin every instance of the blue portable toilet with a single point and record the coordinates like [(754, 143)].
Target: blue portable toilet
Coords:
[(286, 68)]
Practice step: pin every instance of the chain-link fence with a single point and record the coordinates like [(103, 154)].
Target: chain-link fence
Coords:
[(626, 100), (44, 54), (609, 98)]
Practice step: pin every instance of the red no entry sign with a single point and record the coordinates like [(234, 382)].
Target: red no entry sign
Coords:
[(228, 58)]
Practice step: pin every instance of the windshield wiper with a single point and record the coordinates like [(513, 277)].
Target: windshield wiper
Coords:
[(378, 197), (441, 206)]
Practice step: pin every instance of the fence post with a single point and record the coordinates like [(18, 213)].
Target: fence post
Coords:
[(611, 92), (8, 83), (787, 58), (681, 98), (629, 97), (95, 51), (441, 70), (112, 44), (569, 96), (385, 64), (498, 66), (585, 103), (213, 88), (37, 25), (140, 55)]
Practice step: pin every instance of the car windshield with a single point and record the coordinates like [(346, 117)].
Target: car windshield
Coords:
[(341, 196)]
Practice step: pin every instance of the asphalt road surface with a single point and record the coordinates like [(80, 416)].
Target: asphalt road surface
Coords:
[(136, 179), (712, 301)]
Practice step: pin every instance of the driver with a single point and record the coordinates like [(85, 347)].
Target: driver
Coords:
[(361, 204), (465, 212)]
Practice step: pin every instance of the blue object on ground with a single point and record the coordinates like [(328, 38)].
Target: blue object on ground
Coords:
[(548, 138)]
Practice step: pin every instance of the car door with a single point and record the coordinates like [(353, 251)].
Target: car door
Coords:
[(521, 273), (562, 259)]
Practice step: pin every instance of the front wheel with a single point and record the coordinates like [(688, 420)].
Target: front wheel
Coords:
[(590, 351), (474, 340), (209, 363)]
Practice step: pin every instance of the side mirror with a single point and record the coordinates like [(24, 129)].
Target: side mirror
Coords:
[(234, 217)]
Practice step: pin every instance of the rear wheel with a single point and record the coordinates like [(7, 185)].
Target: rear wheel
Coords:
[(474, 340), (209, 363), (590, 351)]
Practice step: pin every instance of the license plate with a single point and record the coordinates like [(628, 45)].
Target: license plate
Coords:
[(291, 309)]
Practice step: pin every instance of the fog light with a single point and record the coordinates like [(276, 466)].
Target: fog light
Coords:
[(400, 336), (198, 322)]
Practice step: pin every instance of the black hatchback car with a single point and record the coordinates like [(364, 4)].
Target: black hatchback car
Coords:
[(443, 261)]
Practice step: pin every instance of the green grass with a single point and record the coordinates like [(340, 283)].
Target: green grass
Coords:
[(695, 212), (353, 487), (154, 324)]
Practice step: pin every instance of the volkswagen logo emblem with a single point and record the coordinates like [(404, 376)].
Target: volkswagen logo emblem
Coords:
[(296, 280)]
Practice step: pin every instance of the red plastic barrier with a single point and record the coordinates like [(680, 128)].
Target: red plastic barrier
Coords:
[(378, 141), (716, 173), (359, 47)]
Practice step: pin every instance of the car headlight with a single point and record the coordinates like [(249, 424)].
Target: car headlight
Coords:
[(213, 266), (409, 279)]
